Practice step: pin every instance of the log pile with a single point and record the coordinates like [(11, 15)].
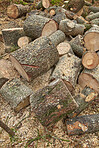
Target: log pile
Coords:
[(61, 47)]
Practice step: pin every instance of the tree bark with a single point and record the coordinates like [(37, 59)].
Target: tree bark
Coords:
[(94, 9), (95, 21), (92, 16)]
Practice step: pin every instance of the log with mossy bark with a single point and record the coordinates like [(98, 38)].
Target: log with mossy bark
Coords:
[(52, 103), (92, 16), (36, 26), (90, 77), (17, 10), (71, 28), (83, 99), (83, 124), (16, 94), (91, 37), (35, 58)]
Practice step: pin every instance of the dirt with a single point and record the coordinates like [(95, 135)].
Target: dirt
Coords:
[(27, 126)]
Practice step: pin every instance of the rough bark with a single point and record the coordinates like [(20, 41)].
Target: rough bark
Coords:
[(17, 10), (58, 17), (93, 16), (2, 48), (81, 20), (35, 59), (39, 6), (83, 124), (90, 60), (37, 12), (1, 37), (91, 37), (71, 28), (22, 41), (94, 9), (52, 103), (3, 81), (16, 94), (36, 26), (95, 21)]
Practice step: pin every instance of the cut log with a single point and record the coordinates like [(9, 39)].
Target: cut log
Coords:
[(67, 68), (3, 81), (84, 99), (11, 36), (16, 94), (95, 21), (52, 103), (57, 37), (91, 39), (35, 59), (7, 70), (90, 78), (36, 26), (17, 10), (52, 12), (2, 48), (83, 124), (81, 20), (45, 3), (94, 9), (92, 16), (22, 41), (90, 60), (58, 17), (39, 6), (75, 5), (71, 28), (1, 37)]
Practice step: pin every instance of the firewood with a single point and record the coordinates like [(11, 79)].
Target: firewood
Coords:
[(83, 124), (3, 81), (22, 41), (35, 58), (71, 28), (52, 103), (11, 36), (94, 9), (83, 99), (36, 26), (39, 6), (58, 17), (17, 10), (88, 3), (75, 5), (95, 21), (67, 68), (16, 94), (93, 16), (81, 20), (90, 78), (1, 37), (91, 39), (45, 3), (52, 12), (90, 60), (2, 48), (37, 12)]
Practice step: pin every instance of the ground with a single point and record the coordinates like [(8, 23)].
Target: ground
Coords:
[(25, 124)]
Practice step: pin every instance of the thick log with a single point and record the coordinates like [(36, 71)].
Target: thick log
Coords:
[(92, 16), (71, 28), (67, 68), (95, 21), (94, 9), (52, 103), (11, 36), (91, 39), (16, 94), (83, 99), (83, 124), (45, 3), (58, 17), (36, 26), (35, 59), (17, 10), (75, 5), (22, 41), (90, 60), (90, 78)]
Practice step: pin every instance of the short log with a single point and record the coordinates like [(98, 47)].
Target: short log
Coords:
[(52, 103), (16, 94), (35, 58), (94, 9), (22, 41), (92, 16), (91, 39), (58, 17), (36, 26), (17, 10), (2, 48), (67, 68), (90, 60), (71, 28), (95, 21), (45, 3), (83, 124)]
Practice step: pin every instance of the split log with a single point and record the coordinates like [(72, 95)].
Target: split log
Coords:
[(22, 41), (52, 103), (45, 3), (11, 36), (57, 37), (93, 16), (36, 26), (75, 5), (95, 21), (83, 99), (71, 28), (90, 78), (90, 60), (67, 68), (83, 124), (35, 58), (17, 10), (16, 94), (94, 9), (58, 17), (91, 39)]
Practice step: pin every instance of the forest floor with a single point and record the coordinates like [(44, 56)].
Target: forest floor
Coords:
[(25, 124)]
